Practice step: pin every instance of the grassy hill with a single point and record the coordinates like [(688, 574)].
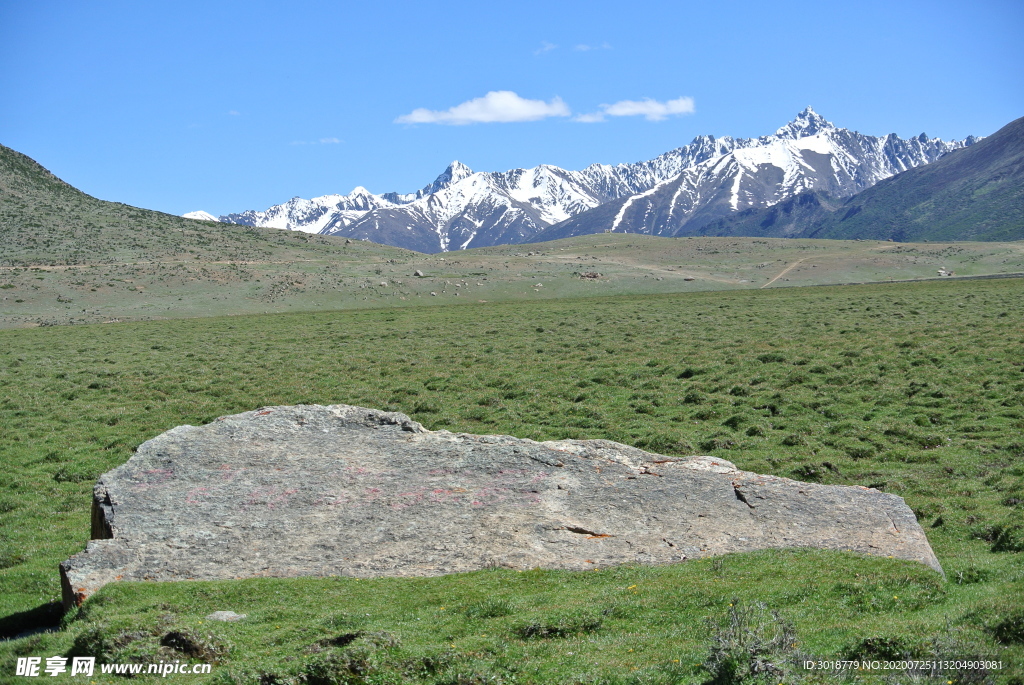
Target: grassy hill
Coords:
[(914, 388), (46, 222)]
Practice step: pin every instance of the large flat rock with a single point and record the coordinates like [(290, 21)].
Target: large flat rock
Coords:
[(342, 490)]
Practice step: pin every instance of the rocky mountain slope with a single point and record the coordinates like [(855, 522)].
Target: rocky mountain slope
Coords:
[(691, 185)]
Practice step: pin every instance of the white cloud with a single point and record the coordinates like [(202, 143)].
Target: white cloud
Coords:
[(498, 106), (583, 47), (234, 113), (652, 110), (544, 47), (321, 141)]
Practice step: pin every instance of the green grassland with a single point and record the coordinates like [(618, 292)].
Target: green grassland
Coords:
[(298, 272), (913, 388)]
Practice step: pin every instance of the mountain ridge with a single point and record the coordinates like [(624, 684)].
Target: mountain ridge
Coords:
[(702, 181), (808, 154), (974, 193)]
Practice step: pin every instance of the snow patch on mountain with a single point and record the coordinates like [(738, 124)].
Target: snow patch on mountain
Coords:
[(200, 215)]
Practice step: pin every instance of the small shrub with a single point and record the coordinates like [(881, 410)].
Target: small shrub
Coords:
[(751, 645), (971, 575), (334, 668), (951, 648)]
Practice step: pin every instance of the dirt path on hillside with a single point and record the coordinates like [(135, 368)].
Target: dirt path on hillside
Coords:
[(787, 270)]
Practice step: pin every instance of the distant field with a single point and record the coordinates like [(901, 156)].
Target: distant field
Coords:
[(309, 273), (913, 388)]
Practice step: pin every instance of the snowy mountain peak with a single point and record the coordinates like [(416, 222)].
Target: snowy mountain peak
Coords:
[(359, 191), (807, 123), (455, 172)]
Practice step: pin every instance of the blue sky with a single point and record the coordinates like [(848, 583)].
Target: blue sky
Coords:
[(227, 106)]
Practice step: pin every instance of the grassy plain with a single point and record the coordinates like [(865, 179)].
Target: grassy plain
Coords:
[(914, 388), (312, 273)]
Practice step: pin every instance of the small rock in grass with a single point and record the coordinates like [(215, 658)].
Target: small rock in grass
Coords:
[(225, 616)]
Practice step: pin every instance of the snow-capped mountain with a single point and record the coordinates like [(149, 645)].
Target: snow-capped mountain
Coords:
[(313, 216), (809, 153), (687, 186), (200, 216)]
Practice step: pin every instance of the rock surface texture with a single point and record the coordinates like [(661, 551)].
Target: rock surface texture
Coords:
[(342, 490)]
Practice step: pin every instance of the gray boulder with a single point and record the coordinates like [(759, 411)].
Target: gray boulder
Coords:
[(342, 490)]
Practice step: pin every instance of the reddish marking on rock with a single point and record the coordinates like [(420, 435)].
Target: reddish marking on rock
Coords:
[(197, 495), (155, 478), (439, 495), (227, 473), (491, 495), (264, 412), (273, 496)]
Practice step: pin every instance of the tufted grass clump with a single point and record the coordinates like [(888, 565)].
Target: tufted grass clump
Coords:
[(559, 627), (492, 608)]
